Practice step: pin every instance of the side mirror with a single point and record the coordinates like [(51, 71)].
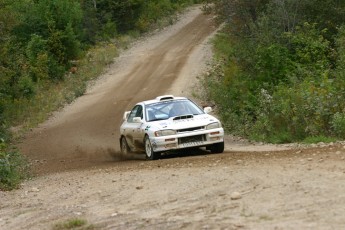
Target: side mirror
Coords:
[(125, 115), (137, 119), (208, 109)]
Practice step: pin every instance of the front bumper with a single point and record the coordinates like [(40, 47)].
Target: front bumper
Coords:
[(187, 139)]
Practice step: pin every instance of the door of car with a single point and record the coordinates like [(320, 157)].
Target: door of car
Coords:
[(133, 131)]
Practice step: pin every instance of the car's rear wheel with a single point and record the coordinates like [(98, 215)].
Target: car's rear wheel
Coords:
[(124, 146), (150, 153), (217, 148)]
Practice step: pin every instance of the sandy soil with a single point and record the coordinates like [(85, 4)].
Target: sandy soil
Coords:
[(249, 186)]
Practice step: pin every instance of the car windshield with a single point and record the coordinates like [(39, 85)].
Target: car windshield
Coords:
[(165, 109)]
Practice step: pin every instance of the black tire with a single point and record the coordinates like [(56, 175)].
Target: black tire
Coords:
[(150, 154), (217, 148), (124, 146)]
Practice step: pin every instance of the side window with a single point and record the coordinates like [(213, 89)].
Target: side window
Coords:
[(137, 111)]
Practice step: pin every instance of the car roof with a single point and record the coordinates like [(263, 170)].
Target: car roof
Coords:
[(162, 98)]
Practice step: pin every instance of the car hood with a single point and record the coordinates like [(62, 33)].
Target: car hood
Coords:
[(194, 121)]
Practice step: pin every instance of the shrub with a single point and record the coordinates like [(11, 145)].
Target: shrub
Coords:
[(279, 92), (26, 86), (298, 111), (273, 63), (318, 139), (13, 168), (338, 124)]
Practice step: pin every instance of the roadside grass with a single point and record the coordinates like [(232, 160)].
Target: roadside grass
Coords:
[(319, 139), (76, 223), (14, 168)]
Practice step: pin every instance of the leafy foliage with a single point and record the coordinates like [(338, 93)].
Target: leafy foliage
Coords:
[(13, 168), (281, 77)]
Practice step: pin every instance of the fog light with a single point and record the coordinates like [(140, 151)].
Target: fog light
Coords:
[(170, 139), (214, 138), (170, 145), (214, 133)]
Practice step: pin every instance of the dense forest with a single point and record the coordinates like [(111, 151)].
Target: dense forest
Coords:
[(280, 72), (49, 49)]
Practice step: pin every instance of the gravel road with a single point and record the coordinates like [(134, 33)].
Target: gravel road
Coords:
[(249, 186)]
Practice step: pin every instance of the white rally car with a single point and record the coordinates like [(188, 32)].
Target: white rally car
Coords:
[(169, 123)]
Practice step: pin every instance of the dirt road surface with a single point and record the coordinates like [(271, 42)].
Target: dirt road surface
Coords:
[(249, 186)]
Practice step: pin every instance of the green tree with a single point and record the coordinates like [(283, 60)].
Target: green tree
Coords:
[(58, 23)]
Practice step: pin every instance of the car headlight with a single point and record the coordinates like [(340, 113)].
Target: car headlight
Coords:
[(166, 132), (214, 125)]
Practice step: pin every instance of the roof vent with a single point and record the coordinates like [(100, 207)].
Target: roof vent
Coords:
[(165, 97)]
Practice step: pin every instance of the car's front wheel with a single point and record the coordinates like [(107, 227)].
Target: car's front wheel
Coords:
[(150, 153), (217, 148), (124, 146)]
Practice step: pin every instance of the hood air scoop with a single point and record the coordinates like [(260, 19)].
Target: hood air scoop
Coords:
[(183, 117)]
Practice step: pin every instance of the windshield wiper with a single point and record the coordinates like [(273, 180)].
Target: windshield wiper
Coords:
[(157, 119)]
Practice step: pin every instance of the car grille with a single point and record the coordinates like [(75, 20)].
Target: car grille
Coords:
[(189, 129), (190, 139)]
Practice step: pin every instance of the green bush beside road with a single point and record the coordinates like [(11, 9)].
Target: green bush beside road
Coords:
[(280, 73)]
